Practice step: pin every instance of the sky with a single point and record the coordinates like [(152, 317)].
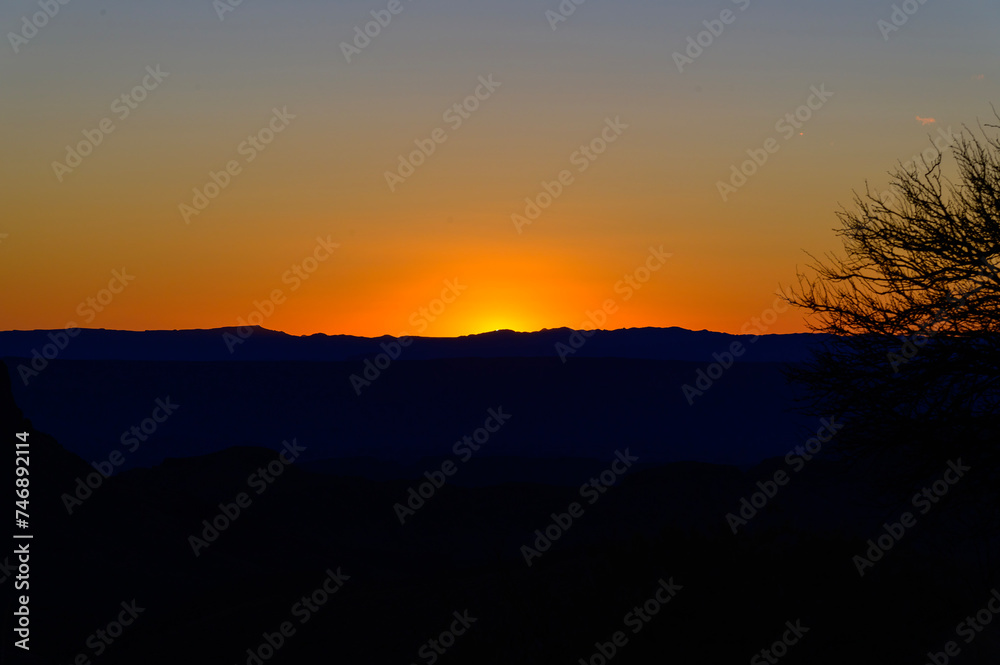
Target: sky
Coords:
[(199, 164)]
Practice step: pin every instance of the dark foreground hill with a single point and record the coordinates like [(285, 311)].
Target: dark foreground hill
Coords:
[(649, 572), (670, 394), (583, 409)]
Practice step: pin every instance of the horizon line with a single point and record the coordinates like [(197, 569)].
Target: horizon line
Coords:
[(486, 332)]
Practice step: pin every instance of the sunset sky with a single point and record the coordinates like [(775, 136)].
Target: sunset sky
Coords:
[(607, 70)]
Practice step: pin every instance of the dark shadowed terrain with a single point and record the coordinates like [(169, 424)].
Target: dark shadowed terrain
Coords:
[(331, 509)]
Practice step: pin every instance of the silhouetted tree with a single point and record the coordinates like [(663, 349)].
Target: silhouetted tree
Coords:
[(913, 367), (914, 301)]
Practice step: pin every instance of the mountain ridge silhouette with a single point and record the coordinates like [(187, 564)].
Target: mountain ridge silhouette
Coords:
[(225, 344)]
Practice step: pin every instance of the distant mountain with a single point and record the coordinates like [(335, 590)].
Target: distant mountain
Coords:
[(586, 408), (618, 389), (257, 344)]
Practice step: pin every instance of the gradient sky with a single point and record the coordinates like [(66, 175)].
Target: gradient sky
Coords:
[(324, 175)]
